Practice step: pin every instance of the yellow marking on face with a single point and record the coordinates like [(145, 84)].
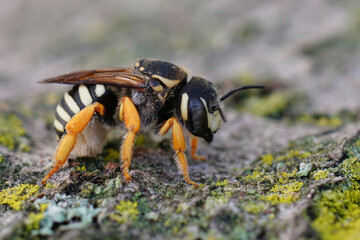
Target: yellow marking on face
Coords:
[(167, 82), (137, 64), (85, 95), (216, 121), (71, 103), (99, 90), (184, 106), (58, 126), (62, 113), (141, 69)]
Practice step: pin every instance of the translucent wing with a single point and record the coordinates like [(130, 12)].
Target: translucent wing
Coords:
[(121, 77)]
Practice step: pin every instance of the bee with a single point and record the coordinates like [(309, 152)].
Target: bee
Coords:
[(153, 95)]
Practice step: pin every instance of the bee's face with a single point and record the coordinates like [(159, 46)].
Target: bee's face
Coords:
[(198, 108)]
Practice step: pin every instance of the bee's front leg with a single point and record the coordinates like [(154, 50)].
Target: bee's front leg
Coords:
[(129, 114), (194, 144), (179, 145), (74, 127)]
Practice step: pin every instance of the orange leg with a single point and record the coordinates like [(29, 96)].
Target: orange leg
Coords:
[(129, 114), (74, 127), (179, 145), (194, 144)]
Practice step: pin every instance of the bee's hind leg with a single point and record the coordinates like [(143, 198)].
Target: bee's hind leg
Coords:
[(129, 114), (74, 127), (179, 145)]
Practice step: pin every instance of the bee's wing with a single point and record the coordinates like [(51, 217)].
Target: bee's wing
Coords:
[(121, 77)]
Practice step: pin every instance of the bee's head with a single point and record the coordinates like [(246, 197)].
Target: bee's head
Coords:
[(198, 107), (164, 77)]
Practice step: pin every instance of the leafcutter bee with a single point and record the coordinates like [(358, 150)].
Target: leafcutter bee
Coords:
[(153, 95)]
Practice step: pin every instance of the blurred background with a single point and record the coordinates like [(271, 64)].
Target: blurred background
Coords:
[(293, 141), (309, 46)]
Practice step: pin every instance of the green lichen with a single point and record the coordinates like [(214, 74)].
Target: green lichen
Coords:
[(304, 169), (16, 196), (125, 212), (60, 213), (111, 155), (13, 134)]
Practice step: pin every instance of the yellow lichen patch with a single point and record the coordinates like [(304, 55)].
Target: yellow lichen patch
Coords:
[(351, 168), (267, 159), (49, 186), (338, 215), (284, 176), (16, 196), (222, 183), (321, 174), (182, 207), (255, 207), (285, 193), (81, 169), (33, 221), (212, 203), (255, 176), (125, 212), (12, 133), (43, 207), (293, 154), (200, 185), (322, 121), (269, 106)]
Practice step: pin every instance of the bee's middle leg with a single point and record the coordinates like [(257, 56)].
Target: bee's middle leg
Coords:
[(74, 127), (129, 114)]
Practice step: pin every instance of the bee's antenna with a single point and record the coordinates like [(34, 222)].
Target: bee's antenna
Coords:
[(239, 89)]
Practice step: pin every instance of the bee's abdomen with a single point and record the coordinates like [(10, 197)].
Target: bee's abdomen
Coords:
[(79, 97)]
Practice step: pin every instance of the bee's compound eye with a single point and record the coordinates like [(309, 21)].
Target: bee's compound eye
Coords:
[(156, 85)]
